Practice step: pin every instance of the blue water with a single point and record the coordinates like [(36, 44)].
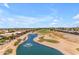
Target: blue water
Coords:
[(35, 48)]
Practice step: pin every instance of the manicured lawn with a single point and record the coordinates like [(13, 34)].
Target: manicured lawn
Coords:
[(43, 31)]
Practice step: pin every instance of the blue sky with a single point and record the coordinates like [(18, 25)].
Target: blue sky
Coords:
[(32, 15)]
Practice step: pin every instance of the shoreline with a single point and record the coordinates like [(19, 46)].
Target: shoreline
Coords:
[(51, 47), (65, 47), (26, 37), (36, 41), (23, 41), (11, 45)]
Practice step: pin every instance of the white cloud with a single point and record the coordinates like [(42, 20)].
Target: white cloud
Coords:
[(24, 21), (37, 22), (52, 24), (55, 20), (6, 5), (76, 17), (77, 22)]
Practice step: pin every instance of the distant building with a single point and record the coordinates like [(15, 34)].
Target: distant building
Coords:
[(1, 36)]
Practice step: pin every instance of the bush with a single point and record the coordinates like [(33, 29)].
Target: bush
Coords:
[(77, 49), (8, 51), (41, 39), (17, 42), (2, 40), (52, 41), (2, 32)]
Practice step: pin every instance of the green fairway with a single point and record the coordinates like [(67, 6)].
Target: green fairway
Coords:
[(43, 31)]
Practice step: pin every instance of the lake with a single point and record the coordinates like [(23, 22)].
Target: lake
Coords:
[(29, 47)]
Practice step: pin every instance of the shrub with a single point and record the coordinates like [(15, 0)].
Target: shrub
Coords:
[(41, 39), (8, 51), (52, 41), (17, 42), (77, 49)]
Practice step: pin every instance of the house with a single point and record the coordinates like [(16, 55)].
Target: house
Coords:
[(1, 36)]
